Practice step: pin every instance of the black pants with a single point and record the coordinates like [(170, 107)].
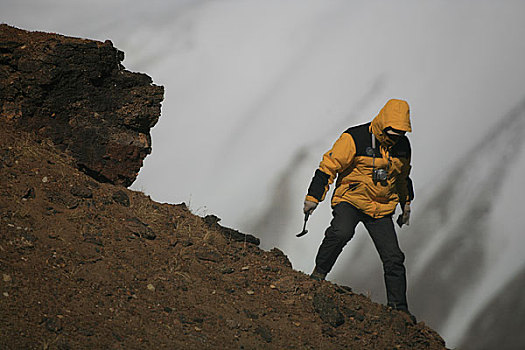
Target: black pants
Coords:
[(342, 229)]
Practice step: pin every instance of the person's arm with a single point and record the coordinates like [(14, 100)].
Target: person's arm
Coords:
[(405, 188), (406, 194), (333, 162)]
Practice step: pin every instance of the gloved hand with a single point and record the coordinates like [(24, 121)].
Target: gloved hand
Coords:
[(404, 218), (309, 206)]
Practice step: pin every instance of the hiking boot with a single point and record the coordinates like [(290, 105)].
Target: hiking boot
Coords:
[(317, 275), (412, 317), (403, 309)]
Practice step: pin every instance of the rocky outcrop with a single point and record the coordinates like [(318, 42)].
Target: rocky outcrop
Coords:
[(77, 93)]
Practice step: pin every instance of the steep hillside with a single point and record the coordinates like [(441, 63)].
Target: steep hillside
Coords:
[(89, 264)]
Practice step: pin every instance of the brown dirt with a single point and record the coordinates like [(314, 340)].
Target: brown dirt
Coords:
[(88, 265)]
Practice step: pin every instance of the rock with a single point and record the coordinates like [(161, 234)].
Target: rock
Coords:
[(285, 285), (51, 211), (343, 289), (232, 324), (251, 315), (187, 243), (355, 314), (207, 254), (151, 287), (52, 324), (7, 158), (227, 270), (212, 222), (93, 238), (30, 194), (140, 229), (25, 241), (168, 309), (265, 333), (121, 197), (327, 310), (6, 278), (87, 331), (77, 93), (53, 235), (62, 199), (183, 319), (81, 191)]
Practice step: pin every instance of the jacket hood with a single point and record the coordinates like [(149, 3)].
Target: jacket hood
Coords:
[(395, 114)]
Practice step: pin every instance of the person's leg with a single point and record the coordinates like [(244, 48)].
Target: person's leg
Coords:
[(340, 231), (384, 236)]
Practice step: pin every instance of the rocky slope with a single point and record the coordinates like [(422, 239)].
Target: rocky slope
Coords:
[(88, 264)]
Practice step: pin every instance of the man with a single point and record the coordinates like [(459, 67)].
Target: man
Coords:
[(372, 166)]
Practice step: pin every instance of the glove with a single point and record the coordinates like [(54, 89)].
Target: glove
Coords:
[(404, 218), (309, 207)]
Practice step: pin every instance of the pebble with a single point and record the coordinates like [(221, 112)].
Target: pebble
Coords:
[(151, 287), (45, 179), (250, 292), (6, 294), (7, 278), (227, 270)]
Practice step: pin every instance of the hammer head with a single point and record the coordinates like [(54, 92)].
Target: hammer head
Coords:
[(304, 231)]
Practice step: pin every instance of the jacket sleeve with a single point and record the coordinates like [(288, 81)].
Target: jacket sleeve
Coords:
[(334, 161), (405, 187)]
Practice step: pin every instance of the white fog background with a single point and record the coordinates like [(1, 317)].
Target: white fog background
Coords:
[(257, 91)]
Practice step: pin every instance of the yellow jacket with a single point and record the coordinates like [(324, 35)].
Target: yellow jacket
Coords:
[(352, 161)]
